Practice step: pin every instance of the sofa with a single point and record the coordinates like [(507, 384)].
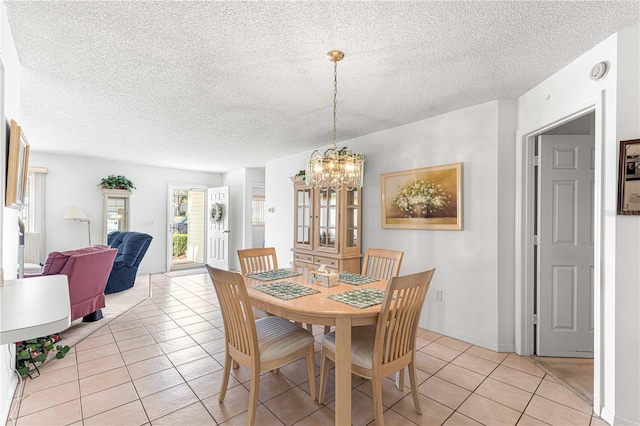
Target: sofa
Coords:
[(131, 247), (87, 271)]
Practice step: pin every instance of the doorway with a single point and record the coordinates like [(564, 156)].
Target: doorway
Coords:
[(258, 207), (187, 227), (563, 257), (564, 244)]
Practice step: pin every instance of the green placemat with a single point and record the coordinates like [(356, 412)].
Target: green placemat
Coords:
[(285, 290), (360, 298), (276, 274), (355, 279)]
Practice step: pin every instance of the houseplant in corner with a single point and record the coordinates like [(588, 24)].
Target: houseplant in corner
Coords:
[(116, 182), (32, 351)]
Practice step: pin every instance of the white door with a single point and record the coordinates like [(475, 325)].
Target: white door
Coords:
[(218, 231), (565, 249)]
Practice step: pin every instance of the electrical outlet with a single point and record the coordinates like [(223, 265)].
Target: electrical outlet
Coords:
[(439, 295), (148, 223)]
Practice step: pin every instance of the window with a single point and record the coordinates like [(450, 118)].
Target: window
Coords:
[(257, 210), (32, 214)]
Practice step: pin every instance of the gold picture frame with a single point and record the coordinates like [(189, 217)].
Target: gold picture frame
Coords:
[(629, 178), (17, 167), (427, 198)]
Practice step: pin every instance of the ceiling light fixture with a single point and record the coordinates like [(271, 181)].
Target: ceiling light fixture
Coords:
[(336, 168)]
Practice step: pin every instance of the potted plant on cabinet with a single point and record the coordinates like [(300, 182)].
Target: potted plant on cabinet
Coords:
[(116, 182)]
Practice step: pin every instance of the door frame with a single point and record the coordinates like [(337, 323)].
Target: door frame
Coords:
[(170, 188), (525, 221)]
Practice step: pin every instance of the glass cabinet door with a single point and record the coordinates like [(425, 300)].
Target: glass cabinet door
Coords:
[(117, 211), (352, 210), (328, 219), (303, 216)]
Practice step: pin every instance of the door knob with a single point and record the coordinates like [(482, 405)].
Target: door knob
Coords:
[(227, 232)]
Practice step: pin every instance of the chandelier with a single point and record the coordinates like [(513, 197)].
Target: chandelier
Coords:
[(336, 168)]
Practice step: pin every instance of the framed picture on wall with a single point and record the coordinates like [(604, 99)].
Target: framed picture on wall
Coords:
[(428, 198), (629, 180), (17, 167)]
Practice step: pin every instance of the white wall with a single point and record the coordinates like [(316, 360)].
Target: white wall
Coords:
[(470, 269), (10, 109), (74, 180), (618, 301)]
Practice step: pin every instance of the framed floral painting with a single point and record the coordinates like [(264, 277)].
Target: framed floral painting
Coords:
[(428, 198), (17, 167)]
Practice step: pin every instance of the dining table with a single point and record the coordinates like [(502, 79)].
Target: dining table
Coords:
[(319, 309)]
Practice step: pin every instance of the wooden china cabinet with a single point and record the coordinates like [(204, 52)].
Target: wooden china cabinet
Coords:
[(326, 228)]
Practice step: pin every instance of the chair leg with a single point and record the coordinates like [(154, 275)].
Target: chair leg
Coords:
[(376, 385), (324, 375), (254, 389), (225, 377), (94, 316), (311, 370), (400, 380), (414, 386)]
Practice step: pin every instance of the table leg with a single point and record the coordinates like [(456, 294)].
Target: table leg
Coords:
[(343, 371)]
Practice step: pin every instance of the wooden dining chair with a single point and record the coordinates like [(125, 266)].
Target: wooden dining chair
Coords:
[(257, 260), (388, 346), (382, 263), (259, 345)]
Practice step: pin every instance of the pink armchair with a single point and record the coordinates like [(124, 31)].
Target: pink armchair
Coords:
[(87, 270)]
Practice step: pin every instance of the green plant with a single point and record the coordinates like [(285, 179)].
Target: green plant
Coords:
[(30, 352), (216, 212), (179, 242), (116, 182), (300, 173)]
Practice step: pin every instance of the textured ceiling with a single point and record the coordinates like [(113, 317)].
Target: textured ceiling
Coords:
[(217, 86)]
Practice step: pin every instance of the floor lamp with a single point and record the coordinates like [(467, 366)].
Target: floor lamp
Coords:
[(76, 213)]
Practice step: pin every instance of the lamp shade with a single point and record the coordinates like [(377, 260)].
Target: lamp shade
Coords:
[(75, 213)]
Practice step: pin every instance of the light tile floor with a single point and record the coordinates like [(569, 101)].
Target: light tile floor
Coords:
[(160, 364)]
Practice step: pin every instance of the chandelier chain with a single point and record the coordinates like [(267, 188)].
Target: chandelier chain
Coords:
[(335, 169), (335, 101)]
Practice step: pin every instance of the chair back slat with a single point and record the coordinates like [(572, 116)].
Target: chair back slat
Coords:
[(257, 260), (239, 325), (399, 316), (382, 263)]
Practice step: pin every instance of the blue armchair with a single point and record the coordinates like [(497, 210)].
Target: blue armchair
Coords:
[(132, 247)]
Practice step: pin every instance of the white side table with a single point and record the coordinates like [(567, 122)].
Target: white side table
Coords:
[(34, 307)]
